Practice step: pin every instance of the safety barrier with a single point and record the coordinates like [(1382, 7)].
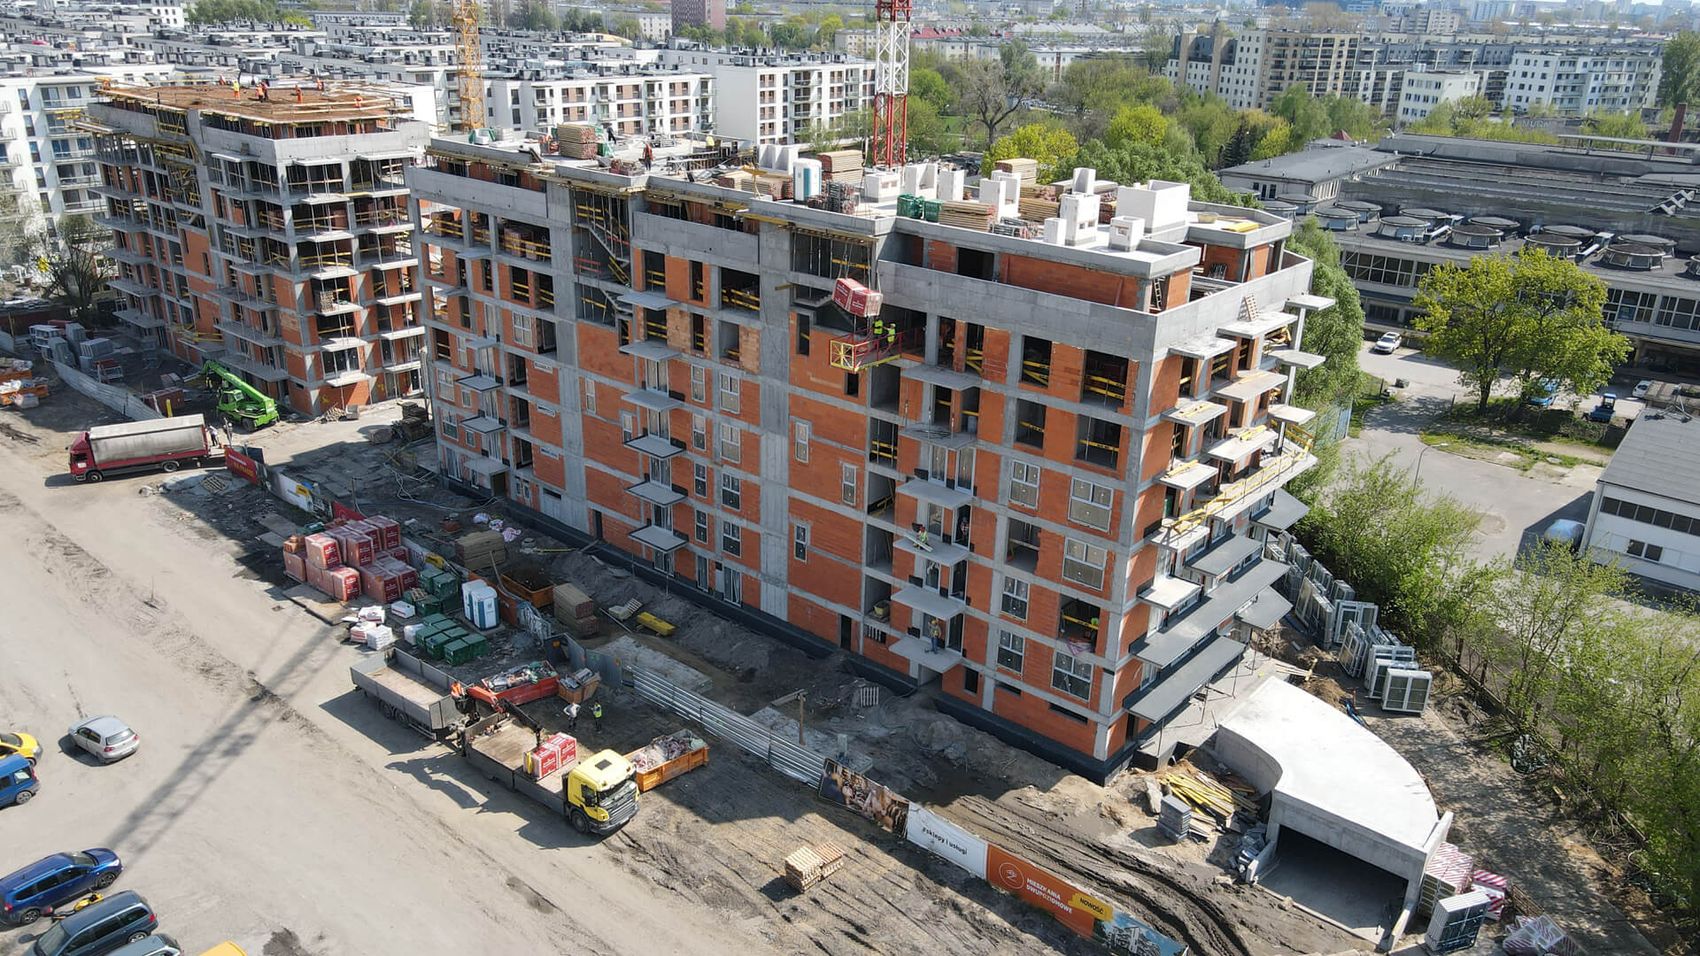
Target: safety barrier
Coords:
[(797, 762)]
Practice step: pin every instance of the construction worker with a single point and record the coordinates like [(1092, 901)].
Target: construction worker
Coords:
[(879, 330), (935, 630), (891, 336), (596, 715), (572, 716)]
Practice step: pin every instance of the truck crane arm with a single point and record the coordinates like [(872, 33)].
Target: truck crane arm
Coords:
[(237, 398)]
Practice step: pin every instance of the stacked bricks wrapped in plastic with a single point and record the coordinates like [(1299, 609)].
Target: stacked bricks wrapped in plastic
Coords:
[(352, 558)]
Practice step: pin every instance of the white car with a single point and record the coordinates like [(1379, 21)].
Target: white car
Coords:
[(1387, 344), (1641, 388), (106, 738)]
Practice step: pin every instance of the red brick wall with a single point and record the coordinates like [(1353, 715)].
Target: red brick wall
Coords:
[(1074, 281), (599, 352), (1166, 383)]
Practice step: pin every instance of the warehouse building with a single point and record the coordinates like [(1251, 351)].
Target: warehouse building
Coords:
[(269, 231), (1645, 514), (1038, 478)]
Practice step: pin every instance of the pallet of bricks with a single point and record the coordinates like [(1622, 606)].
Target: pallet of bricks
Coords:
[(841, 166), (576, 140), (352, 558), (576, 611), (812, 864), (317, 560), (482, 551)]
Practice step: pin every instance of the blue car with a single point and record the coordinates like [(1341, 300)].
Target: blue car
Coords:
[(1541, 393), (30, 893), (18, 782)]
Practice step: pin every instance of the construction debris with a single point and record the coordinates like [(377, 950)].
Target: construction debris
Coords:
[(1539, 936)]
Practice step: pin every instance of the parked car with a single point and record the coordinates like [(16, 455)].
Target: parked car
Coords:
[(1388, 344), (107, 738), (158, 944), (28, 894), (1641, 388), (1540, 394), (21, 744), (18, 782), (120, 918), (1565, 531)]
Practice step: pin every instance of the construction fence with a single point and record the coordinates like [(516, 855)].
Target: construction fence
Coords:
[(1096, 920)]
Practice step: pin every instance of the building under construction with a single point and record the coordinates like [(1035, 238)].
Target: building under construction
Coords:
[(268, 227), (1037, 476)]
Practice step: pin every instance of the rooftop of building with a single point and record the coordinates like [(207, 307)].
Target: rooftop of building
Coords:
[(1314, 165), (1154, 227), (1324, 760), (1660, 455), (296, 103)]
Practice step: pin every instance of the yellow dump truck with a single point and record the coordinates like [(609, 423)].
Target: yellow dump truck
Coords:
[(596, 793)]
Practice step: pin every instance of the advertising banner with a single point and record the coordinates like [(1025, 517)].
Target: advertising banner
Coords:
[(942, 838), (297, 493), (241, 466), (1087, 915), (851, 790), (342, 512)]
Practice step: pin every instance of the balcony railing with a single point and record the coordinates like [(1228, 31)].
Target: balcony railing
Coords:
[(858, 350)]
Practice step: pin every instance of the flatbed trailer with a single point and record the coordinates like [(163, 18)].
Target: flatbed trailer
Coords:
[(408, 690), (497, 747)]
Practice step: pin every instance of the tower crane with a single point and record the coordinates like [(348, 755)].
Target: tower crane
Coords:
[(890, 142), (470, 71)]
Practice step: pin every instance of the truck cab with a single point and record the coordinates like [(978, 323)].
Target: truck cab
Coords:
[(602, 792), (82, 458)]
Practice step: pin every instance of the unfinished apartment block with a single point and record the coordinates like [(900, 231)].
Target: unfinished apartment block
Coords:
[(1037, 477), (271, 234)]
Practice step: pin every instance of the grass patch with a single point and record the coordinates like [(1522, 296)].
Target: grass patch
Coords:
[(1509, 418), (1371, 394), (1477, 444)]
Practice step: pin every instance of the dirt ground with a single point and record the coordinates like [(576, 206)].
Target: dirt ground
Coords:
[(891, 896)]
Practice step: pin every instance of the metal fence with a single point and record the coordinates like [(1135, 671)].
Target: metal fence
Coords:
[(798, 763)]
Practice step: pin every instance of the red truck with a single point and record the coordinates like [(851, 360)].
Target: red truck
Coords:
[(160, 444)]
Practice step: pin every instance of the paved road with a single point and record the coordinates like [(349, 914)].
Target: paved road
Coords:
[(1514, 505), (267, 805)]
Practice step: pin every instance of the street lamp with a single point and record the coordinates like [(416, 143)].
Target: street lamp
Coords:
[(1417, 472)]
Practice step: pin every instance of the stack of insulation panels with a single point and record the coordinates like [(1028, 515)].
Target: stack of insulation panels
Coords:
[(1448, 874)]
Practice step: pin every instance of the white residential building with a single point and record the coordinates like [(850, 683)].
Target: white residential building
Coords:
[(655, 26), (630, 103), (1646, 509), (1423, 91), (1577, 81), (774, 98), (47, 167)]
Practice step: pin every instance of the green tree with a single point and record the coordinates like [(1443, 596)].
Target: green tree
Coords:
[(1277, 140), (926, 83), (1304, 113), (1052, 146), (1399, 546), (991, 91), (826, 33), (791, 33), (1139, 162), (427, 14), (1237, 150), (229, 11), (628, 27), (1622, 125), (1529, 315), (1679, 75), (536, 15), (1334, 333), (929, 134), (1137, 124), (77, 264)]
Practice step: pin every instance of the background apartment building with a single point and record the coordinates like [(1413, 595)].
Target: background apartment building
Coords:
[(776, 98), (272, 235), (1572, 74), (699, 13), (1043, 491), (47, 162), (627, 101), (1583, 81), (1421, 92)]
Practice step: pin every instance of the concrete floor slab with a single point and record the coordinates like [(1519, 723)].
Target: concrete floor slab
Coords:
[(1349, 892)]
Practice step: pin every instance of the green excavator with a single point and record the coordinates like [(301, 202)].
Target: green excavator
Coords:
[(243, 403)]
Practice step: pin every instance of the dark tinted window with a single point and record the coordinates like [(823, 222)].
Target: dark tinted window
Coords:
[(53, 940), (82, 859)]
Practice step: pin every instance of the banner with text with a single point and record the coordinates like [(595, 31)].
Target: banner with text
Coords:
[(939, 836), (1087, 915), (241, 466)]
